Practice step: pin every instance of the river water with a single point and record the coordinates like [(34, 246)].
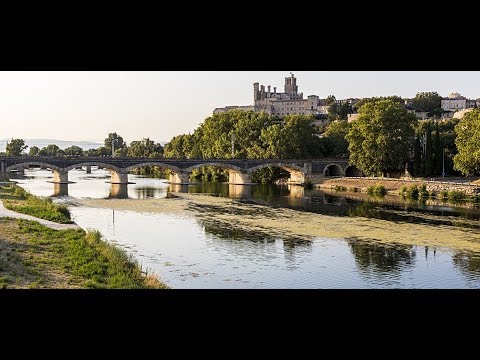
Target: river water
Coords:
[(189, 252)]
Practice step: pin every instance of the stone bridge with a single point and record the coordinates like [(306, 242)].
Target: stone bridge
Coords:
[(240, 170)]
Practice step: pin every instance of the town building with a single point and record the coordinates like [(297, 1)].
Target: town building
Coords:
[(288, 102), (455, 102)]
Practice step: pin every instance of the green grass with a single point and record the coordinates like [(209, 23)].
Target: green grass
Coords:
[(18, 199), (86, 257)]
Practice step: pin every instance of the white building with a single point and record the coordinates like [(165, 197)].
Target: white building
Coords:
[(455, 102)]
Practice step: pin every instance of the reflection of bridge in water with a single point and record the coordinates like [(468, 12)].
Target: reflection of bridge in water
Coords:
[(240, 170), (120, 191)]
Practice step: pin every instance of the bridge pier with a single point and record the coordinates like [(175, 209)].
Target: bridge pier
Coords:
[(296, 191), (239, 178), (89, 169), (60, 177), (179, 188), (296, 177), (239, 191), (119, 177), (60, 189), (179, 178), (119, 191)]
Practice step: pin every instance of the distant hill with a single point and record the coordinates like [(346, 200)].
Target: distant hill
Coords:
[(62, 144)]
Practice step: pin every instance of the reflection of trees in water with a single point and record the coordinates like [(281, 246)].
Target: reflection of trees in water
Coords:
[(209, 188), (240, 240), (467, 262), (146, 192), (381, 258)]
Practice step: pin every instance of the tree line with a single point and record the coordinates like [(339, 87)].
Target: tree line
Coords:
[(142, 148), (386, 138)]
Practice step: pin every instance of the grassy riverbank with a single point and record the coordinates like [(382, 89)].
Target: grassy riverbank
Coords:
[(18, 199), (35, 256)]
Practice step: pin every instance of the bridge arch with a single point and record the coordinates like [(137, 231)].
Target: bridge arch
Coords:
[(93, 163), (154, 163), (288, 167), (297, 173), (34, 163), (352, 170), (225, 166), (333, 169)]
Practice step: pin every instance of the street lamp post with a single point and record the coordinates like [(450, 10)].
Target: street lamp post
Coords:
[(233, 146), (113, 147)]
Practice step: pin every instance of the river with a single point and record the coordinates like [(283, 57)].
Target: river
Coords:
[(274, 236)]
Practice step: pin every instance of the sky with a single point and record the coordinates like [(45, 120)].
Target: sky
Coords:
[(87, 105)]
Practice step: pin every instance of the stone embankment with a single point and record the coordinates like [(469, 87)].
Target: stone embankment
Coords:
[(362, 183)]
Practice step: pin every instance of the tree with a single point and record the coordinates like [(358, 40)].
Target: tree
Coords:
[(417, 156), (183, 147), (51, 150), (33, 151), (330, 100), (15, 147), (334, 137), (429, 166), (117, 139), (381, 139), (145, 148), (73, 151), (332, 112), (427, 102), (363, 101), (437, 151), (297, 137), (468, 137)]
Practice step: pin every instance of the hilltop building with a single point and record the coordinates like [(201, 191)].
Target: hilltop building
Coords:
[(289, 102), (455, 102)]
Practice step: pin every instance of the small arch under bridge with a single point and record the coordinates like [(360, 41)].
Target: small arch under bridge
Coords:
[(240, 170)]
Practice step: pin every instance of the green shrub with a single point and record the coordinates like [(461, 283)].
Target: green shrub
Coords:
[(377, 190), (412, 192), (403, 191), (456, 195), (20, 193), (308, 184), (475, 198), (340, 188), (443, 195), (423, 192), (354, 189)]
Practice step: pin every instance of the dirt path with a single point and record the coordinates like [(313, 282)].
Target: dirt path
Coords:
[(4, 212)]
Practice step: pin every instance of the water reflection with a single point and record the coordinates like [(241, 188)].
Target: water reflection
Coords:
[(60, 189), (467, 262), (382, 258), (120, 191)]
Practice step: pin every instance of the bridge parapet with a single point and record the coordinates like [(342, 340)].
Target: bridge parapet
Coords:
[(240, 170)]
